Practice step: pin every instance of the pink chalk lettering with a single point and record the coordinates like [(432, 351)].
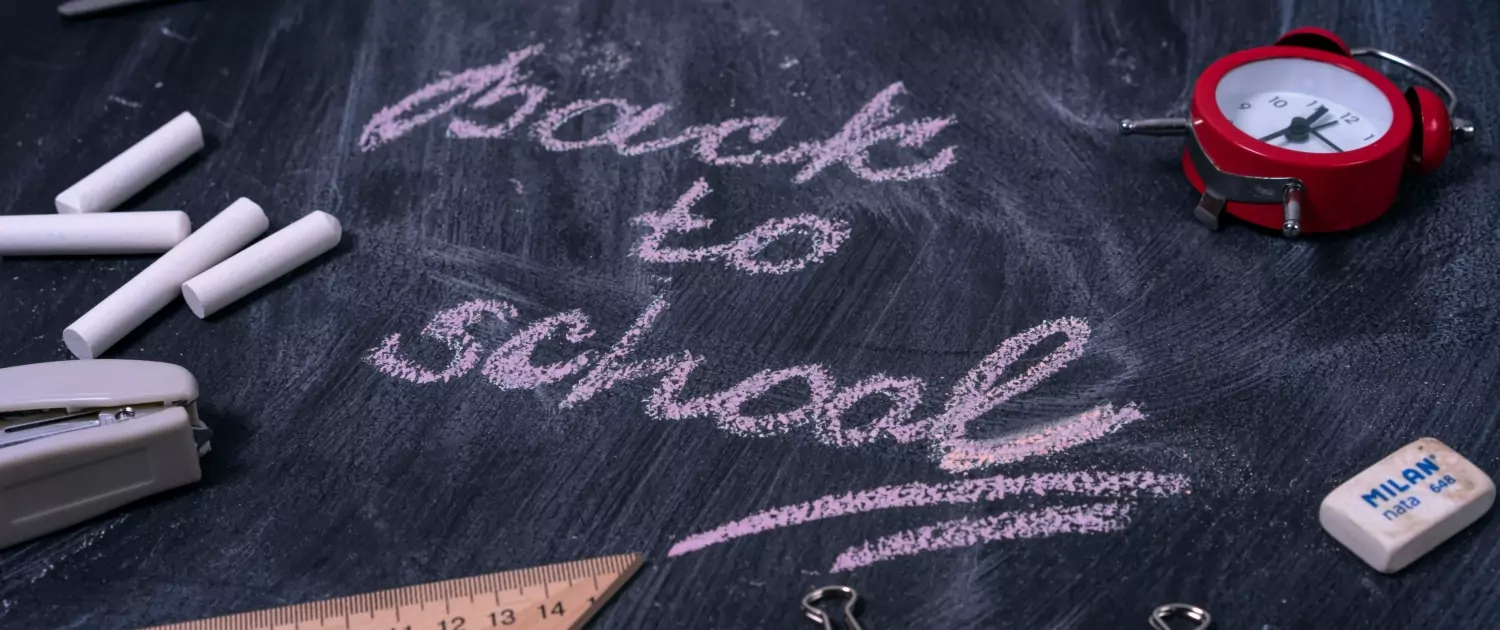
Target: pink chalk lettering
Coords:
[(487, 86), (532, 95), (629, 121), (711, 139), (1131, 484), (399, 119), (729, 403), (851, 146), (1055, 437), (1094, 518), (613, 368), (904, 395), (664, 403), (510, 367), (677, 219), (826, 235), (978, 392), (449, 327)]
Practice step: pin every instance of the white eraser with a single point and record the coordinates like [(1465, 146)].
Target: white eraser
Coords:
[(1407, 504), (92, 234), (157, 285), (271, 258), (119, 179)]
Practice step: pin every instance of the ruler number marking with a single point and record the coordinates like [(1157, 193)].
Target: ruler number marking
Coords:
[(556, 610)]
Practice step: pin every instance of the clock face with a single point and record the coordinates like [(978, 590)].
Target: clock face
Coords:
[(1304, 105)]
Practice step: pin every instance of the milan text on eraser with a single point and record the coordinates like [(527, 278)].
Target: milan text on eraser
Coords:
[(1407, 504)]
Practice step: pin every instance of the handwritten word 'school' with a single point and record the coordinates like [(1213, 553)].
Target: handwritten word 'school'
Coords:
[(485, 88), (510, 366)]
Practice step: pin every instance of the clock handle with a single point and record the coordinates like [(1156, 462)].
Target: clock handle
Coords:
[(1432, 134), (1315, 38), (1461, 130)]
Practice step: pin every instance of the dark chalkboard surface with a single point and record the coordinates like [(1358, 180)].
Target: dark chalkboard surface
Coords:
[(876, 296)]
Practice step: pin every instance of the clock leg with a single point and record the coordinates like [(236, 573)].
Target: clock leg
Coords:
[(1208, 210), (1291, 210)]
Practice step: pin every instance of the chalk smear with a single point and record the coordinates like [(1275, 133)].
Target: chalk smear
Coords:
[(1095, 484), (1095, 518)]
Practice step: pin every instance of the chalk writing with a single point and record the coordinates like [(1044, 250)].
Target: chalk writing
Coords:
[(510, 366), (825, 235), (486, 87), (977, 393), (1095, 518), (616, 124), (1089, 484)]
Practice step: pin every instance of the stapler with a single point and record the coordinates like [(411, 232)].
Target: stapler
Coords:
[(81, 438)]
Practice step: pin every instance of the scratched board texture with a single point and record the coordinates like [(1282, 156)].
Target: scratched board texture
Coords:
[(1203, 391)]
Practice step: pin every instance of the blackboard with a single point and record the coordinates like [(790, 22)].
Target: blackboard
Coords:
[(1183, 399)]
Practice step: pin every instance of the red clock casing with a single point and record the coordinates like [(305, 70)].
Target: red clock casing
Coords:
[(1343, 190)]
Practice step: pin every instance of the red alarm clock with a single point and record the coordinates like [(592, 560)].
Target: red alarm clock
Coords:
[(1301, 136)]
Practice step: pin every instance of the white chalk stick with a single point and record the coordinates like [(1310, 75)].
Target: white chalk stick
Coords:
[(158, 285), (287, 249), (92, 234), (110, 185)]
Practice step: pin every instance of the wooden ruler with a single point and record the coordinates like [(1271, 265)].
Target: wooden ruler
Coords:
[(555, 596)]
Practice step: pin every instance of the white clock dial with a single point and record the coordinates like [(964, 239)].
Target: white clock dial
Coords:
[(1304, 105)]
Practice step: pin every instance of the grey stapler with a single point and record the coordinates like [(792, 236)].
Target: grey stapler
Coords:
[(81, 438)]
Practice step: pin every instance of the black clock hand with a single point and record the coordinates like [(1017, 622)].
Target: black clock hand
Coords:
[(1299, 123), (1276, 135), (1317, 113), (1311, 129), (1325, 141)]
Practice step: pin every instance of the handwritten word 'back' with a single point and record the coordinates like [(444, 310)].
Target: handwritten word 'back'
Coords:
[(487, 87)]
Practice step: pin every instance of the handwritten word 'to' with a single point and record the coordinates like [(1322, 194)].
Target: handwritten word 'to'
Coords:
[(486, 87), (825, 235), (510, 366)]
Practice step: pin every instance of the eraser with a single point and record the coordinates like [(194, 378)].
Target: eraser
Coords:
[(274, 256), (156, 286), (1407, 504), (130, 172), (92, 234)]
